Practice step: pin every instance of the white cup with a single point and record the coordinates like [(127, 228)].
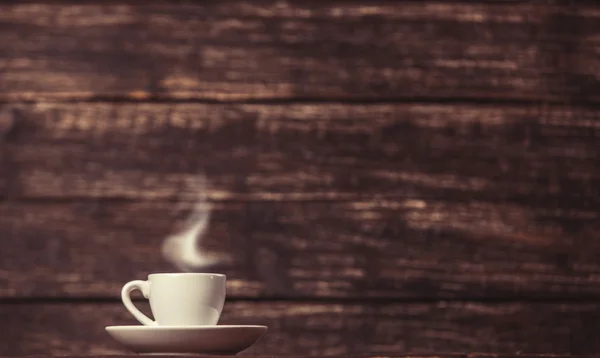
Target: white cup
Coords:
[(179, 299)]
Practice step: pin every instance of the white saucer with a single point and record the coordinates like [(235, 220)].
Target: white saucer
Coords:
[(187, 339)]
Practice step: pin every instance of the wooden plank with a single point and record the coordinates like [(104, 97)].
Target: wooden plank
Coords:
[(418, 249), (540, 156), (240, 50), (445, 355), (328, 328), (451, 355)]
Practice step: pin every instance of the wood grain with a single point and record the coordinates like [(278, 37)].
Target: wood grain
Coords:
[(450, 355), (405, 249), (241, 50), (328, 200), (535, 156), (357, 174), (327, 328)]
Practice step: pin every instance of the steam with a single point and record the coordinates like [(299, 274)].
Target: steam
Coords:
[(184, 249)]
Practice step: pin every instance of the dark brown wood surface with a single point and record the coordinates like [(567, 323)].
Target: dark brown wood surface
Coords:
[(531, 155), (430, 355), (311, 200), (387, 176), (329, 329), (234, 50), (315, 249)]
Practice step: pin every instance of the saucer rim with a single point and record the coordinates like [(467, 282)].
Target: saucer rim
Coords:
[(200, 327), (138, 338)]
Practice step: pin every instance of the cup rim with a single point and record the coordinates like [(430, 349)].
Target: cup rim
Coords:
[(201, 274)]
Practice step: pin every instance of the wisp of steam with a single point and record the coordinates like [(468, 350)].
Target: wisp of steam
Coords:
[(184, 248)]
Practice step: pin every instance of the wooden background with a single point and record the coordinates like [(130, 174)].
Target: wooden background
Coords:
[(387, 176)]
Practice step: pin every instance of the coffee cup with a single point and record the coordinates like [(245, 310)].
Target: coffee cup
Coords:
[(179, 299)]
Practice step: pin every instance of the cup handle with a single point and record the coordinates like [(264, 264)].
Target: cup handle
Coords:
[(143, 286)]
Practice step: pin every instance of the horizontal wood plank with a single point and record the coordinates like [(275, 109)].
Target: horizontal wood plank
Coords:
[(445, 355), (317, 329), (540, 156), (240, 50), (405, 249)]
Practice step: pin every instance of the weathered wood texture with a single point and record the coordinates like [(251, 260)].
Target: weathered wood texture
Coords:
[(538, 156), (431, 355), (300, 49), (420, 201), (323, 191), (418, 250), (445, 355), (327, 328)]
